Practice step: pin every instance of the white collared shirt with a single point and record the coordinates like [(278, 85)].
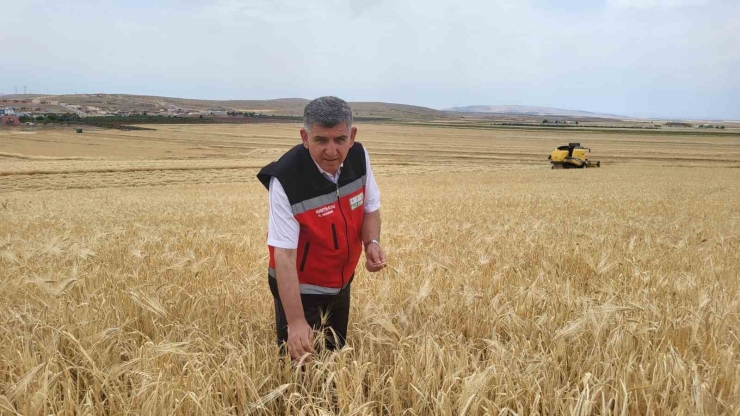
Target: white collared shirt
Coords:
[(283, 228), (335, 177)]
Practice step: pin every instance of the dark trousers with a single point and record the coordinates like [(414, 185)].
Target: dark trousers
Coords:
[(334, 307)]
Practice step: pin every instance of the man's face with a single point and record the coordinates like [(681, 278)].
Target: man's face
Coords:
[(328, 146)]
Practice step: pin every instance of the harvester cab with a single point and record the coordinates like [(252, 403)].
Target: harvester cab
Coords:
[(572, 156)]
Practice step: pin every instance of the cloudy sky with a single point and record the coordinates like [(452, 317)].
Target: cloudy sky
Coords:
[(652, 58)]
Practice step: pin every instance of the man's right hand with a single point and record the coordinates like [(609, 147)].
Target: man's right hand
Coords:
[(300, 339), (300, 334)]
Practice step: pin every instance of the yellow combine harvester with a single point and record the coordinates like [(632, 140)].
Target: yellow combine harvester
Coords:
[(572, 156)]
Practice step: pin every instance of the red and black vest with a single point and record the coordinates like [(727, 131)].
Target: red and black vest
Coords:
[(330, 215)]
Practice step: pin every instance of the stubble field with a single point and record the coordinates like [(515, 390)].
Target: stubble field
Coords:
[(133, 276)]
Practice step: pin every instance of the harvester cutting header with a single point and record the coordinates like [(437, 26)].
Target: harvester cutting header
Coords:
[(572, 156)]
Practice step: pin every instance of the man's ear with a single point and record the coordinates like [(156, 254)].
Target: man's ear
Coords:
[(304, 138), (352, 135)]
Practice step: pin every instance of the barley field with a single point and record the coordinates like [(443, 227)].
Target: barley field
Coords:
[(133, 276)]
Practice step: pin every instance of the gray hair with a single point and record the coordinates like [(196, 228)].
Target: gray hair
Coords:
[(327, 112)]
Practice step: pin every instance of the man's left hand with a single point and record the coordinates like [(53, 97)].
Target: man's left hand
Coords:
[(374, 258)]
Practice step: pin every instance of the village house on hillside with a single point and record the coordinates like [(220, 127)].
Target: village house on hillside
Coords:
[(10, 121), (15, 101)]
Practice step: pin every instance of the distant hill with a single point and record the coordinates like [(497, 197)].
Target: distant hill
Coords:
[(101, 104), (525, 110), (282, 106)]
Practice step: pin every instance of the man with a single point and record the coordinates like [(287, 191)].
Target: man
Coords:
[(324, 208)]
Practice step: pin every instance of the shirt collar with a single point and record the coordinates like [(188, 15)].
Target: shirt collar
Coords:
[(334, 178)]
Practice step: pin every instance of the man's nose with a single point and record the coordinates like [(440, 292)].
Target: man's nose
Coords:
[(331, 149)]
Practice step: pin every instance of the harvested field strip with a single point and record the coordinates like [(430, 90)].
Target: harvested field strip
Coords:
[(27, 157), (125, 179), (132, 169), (576, 130)]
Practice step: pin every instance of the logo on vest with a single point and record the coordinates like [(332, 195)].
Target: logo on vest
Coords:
[(327, 210), (356, 201)]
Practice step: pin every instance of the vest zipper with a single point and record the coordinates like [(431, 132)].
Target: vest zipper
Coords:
[(346, 233)]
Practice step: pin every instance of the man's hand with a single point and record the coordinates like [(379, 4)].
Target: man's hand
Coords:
[(300, 340), (300, 334), (374, 258)]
